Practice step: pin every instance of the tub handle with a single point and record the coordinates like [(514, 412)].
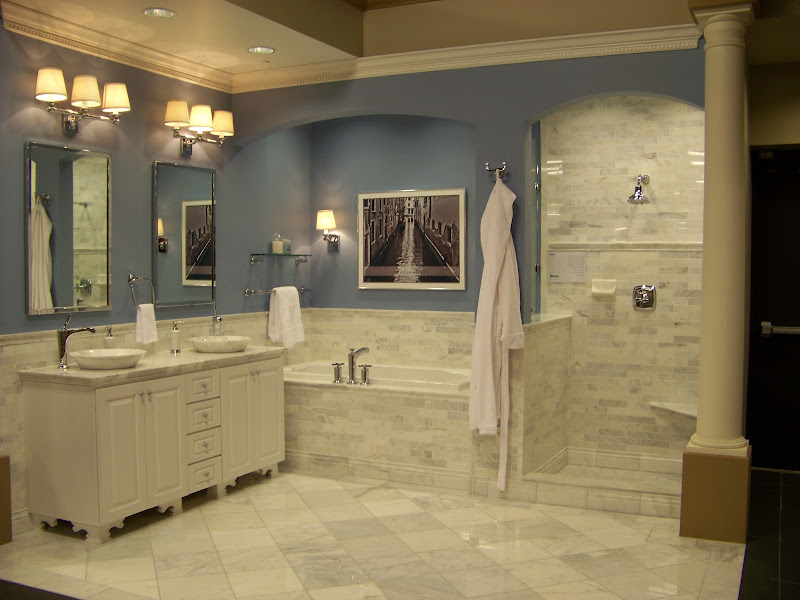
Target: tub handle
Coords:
[(365, 374), (337, 372)]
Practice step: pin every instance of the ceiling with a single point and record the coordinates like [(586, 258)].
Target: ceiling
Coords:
[(206, 41)]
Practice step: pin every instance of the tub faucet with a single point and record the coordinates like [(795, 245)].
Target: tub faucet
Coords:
[(351, 362), (63, 336)]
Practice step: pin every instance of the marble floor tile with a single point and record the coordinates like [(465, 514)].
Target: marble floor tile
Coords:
[(186, 565), (547, 571), (364, 591), (435, 539), (202, 587), (264, 581), (639, 584), (300, 537), (255, 537), (513, 551)]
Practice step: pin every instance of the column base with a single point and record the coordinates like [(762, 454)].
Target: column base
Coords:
[(715, 497)]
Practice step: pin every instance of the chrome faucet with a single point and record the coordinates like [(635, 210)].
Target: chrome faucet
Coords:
[(351, 362), (63, 336)]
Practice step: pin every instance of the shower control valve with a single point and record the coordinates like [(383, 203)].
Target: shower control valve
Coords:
[(644, 297)]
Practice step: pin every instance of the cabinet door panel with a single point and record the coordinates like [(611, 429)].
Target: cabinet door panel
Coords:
[(237, 414), (268, 421), (121, 451), (166, 439)]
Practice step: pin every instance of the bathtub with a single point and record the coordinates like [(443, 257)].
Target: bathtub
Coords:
[(397, 377)]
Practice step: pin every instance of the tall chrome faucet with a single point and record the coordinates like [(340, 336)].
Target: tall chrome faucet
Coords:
[(63, 336), (351, 362)]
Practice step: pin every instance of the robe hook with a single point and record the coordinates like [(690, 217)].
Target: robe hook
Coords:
[(500, 171)]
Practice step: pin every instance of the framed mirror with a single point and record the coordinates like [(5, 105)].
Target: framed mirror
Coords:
[(67, 204), (183, 234)]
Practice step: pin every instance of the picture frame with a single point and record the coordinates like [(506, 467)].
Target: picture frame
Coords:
[(197, 255), (412, 239)]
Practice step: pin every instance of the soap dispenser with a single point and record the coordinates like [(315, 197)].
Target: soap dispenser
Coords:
[(109, 341), (175, 338)]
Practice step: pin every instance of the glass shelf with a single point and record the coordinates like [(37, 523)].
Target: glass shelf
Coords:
[(258, 257)]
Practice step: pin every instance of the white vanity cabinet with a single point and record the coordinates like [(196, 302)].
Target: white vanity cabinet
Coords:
[(104, 445), (96, 456), (252, 416)]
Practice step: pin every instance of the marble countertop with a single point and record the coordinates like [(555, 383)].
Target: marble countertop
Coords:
[(163, 364)]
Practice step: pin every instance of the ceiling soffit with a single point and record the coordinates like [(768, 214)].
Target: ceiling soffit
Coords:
[(35, 24)]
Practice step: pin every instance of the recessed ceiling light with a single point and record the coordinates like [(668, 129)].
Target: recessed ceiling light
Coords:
[(159, 13), (261, 50)]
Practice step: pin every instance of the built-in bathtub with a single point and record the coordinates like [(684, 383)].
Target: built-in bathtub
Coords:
[(384, 376)]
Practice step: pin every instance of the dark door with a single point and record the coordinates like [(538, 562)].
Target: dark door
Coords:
[(773, 395)]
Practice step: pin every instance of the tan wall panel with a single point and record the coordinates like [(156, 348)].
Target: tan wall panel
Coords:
[(463, 22)]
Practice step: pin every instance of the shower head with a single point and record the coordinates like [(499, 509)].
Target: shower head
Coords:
[(638, 197)]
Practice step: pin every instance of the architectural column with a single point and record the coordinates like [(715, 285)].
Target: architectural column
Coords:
[(717, 458)]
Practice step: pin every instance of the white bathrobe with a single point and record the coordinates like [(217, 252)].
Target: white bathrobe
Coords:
[(498, 324), (40, 263)]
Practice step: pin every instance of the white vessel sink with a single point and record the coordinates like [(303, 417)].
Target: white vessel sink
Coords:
[(220, 343), (107, 358)]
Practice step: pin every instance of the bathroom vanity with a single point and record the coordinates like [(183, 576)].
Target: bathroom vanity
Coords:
[(105, 444)]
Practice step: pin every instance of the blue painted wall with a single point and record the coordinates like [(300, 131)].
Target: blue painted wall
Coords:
[(499, 104), (374, 154), (275, 175)]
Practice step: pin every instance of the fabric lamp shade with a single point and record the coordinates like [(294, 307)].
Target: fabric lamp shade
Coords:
[(223, 123), (115, 98), (325, 220), (177, 114), (200, 118), (50, 86), (85, 93)]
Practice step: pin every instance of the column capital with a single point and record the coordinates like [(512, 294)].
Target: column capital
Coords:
[(711, 12)]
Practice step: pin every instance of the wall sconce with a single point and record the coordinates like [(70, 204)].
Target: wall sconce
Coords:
[(50, 88), (199, 122), (326, 221), (162, 241)]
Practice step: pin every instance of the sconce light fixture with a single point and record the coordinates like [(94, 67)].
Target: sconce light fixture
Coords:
[(326, 221), (199, 123), (50, 88), (162, 241)]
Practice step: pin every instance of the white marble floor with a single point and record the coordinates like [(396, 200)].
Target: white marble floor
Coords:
[(298, 537)]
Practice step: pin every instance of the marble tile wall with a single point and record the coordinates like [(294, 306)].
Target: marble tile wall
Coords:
[(622, 359), (433, 338)]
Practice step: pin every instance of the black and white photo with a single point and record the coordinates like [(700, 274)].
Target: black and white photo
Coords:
[(411, 239)]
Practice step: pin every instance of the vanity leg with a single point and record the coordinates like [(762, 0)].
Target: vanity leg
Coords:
[(96, 535), (217, 491), (41, 521), (175, 505)]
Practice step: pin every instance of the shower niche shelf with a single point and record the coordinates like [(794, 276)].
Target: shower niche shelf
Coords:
[(258, 257)]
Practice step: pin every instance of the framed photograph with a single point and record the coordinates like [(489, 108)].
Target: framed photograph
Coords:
[(197, 250), (412, 240)]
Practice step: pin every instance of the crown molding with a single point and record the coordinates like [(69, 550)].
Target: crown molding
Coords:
[(31, 23), (657, 39), (34, 24)]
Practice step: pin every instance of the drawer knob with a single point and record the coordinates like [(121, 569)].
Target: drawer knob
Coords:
[(205, 415), (205, 444), (206, 474), (204, 385)]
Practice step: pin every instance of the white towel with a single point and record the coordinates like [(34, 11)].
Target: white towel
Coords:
[(146, 324), (285, 324)]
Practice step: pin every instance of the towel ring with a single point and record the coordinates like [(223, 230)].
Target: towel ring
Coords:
[(133, 279)]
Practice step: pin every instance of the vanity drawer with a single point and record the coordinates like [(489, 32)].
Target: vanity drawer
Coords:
[(204, 474), (200, 386), (203, 445), (202, 415)]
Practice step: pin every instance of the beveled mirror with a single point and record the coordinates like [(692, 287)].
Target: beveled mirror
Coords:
[(183, 234), (67, 203)]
